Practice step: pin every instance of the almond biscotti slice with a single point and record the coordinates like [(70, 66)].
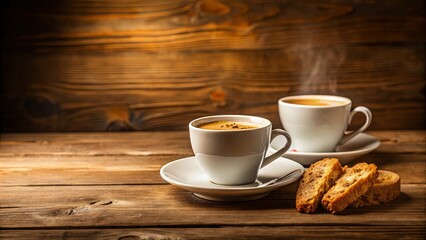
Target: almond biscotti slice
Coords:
[(385, 188), (316, 181), (354, 182)]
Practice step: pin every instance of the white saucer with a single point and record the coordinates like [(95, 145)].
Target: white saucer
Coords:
[(186, 173), (355, 148)]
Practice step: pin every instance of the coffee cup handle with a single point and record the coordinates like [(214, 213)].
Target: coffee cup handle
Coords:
[(275, 133), (348, 135)]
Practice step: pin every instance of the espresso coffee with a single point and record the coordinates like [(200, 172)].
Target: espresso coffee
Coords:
[(228, 125), (314, 102)]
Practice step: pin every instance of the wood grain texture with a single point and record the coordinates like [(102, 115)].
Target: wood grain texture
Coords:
[(152, 144), (243, 232), (96, 144), (107, 186), (93, 170), (139, 170), (136, 158), (157, 143), (148, 205), (214, 25), (102, 66)]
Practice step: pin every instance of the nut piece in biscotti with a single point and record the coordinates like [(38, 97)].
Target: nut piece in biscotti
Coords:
[(385, 188), (316, 181), (353, 183)]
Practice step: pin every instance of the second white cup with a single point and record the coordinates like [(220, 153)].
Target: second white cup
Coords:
[(318, 123)]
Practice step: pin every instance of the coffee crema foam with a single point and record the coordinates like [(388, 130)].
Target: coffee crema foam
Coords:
[(228, 125), (314, 102)]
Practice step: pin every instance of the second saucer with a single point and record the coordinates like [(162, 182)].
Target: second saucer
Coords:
[(353, 149)]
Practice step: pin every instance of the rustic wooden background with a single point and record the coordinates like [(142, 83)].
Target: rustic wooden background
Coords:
[(89, 65)]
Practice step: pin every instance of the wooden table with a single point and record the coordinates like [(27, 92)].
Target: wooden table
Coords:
[(108, 186)]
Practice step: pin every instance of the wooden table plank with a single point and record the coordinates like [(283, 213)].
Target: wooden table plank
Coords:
[(95, 144), (82, 170), (115, 170), (107, 186), (157, 143), (150, 205), (111, 158), (401, 141), (243, 232)]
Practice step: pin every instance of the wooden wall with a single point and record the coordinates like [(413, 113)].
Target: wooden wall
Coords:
[(91, 65)]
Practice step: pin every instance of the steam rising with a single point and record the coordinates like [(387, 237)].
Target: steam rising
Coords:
[(319, 69)]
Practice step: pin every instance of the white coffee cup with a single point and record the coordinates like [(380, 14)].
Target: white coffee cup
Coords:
[(234, 157), (319, 128)]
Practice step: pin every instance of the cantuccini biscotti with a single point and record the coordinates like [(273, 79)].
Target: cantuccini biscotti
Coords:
[(316, 181), (353, 183), (385, 188)]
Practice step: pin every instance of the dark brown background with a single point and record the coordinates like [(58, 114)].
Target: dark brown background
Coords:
[(89, 65)]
